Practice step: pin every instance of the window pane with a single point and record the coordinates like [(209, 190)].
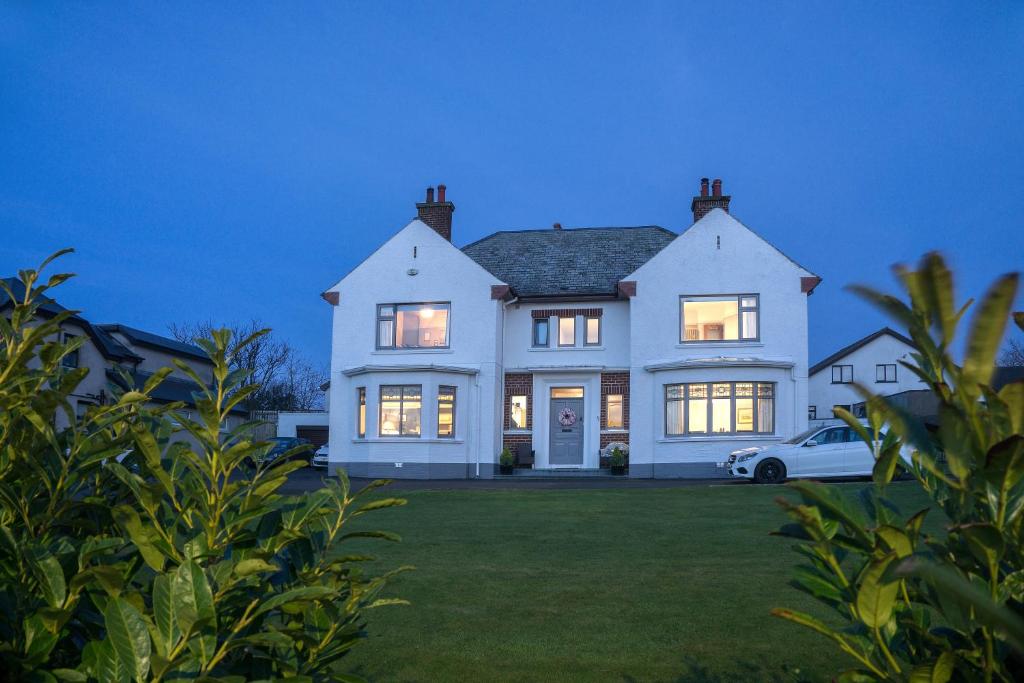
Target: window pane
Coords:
[(540, 332), (614, 411), (390, 393), (567, 331), (567, 392), (445, 411), (411, 411), (517, 412), (710, 318), (744, 415), (361, 416), (674, 417), (674, 391), (593, 330), (721, 415), (750, 324), (698, 410), (385, 332), (748, 302), (385, 311), (744, 389), (721, 390), (766, 414), (390, 416), (422, 325)]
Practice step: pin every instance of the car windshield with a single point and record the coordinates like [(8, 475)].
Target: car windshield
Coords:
[(802, 436)]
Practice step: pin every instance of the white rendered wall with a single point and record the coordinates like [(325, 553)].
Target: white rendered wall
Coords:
[(885, 349), (611, 353), (717, 255), (288, 422)]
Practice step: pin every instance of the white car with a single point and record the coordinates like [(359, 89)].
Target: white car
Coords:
[(832, 451), (320, 457)]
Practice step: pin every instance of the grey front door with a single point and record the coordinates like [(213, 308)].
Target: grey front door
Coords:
[(566, 432)]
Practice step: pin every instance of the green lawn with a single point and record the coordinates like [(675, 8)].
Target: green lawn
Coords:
[(610, 585)]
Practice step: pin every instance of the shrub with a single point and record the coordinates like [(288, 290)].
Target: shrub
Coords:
[(917, 606), (506, 459), (128, 555), (617, 458)]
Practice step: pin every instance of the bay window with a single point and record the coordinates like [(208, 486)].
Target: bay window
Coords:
[(732, 317), (446, 412), (413, 326), (400, 410), (719, 408)]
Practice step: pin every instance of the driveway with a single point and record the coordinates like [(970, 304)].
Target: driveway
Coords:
[(308, 479)]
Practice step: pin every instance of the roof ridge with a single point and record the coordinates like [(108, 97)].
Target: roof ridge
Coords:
[(850, 348)]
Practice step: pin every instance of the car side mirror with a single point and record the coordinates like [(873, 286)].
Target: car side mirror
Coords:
[(812, 442)]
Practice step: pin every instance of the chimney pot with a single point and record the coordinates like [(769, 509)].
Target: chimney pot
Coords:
[(703, 204), (430, 194), (557, 226), (704, 187), (440, 193), (437, 215), (716, 188)]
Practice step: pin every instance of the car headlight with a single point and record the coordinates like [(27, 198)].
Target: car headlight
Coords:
[(747, 456)]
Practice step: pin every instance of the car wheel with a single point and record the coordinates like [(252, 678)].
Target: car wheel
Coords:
[(770, 471)]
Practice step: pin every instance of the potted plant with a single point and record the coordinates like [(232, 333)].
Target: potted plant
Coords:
[(507, 461), (617, 460)]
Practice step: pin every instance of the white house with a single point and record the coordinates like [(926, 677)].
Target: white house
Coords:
[(873, 361), (557, 342)]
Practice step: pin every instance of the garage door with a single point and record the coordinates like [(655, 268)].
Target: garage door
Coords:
[(317, 435)]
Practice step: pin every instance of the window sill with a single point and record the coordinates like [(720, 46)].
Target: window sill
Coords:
[(566, 348), (392, 352), (721, 345), (852, 382), (407, 439), (519, 432), (615, 431), (724, 437)]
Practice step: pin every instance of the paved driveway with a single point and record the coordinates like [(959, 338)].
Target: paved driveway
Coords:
[(308, 479)]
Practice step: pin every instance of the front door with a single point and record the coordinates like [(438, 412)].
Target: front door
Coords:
[(566, 432)]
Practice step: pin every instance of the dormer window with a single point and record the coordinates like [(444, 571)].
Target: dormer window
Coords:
[(413, 326), (732, 317)]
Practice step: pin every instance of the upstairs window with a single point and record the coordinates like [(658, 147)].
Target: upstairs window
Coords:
[(541, 328), (567, 331), (885, 372), (413, 326), (719, 318), (400, 410), (842, 374), (71, 359), (593, 331)]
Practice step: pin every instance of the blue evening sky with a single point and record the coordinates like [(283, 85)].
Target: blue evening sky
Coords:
[(233, 161)]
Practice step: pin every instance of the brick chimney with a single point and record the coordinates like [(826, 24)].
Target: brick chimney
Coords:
[(437, 215), (703, 204)]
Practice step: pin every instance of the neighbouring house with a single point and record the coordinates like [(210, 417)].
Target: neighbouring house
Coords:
[(873, 361), (555, 343), (304, 424), (123, 357)]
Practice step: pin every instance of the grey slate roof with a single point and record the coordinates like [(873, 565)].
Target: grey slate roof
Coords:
[(172, 389), (156, 341), (567, 262)]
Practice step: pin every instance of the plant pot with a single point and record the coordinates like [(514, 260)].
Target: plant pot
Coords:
[(618, 470), (506, 469)]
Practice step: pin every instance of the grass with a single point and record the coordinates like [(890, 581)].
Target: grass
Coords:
[(594, 585)]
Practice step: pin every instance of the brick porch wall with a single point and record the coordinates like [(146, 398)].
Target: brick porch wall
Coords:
[(614, 383), (517, 384)]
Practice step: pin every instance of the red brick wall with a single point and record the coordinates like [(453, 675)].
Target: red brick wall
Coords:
[(614, 383), (567, 312)]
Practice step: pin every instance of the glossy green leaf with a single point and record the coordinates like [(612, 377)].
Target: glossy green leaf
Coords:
[(50, 575), (127, 632), (128, 519), (987, 330), (939, 671), (192, 596), (254, 566), (876, 596), (164, 613)]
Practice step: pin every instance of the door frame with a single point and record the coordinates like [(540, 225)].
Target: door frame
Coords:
[(582, 425), (543, 383)]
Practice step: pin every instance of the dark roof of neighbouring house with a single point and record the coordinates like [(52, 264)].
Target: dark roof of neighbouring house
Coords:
[(155, 341), (107, 345), (172, 389), (569, 261), (847, 350), (1007, 374)]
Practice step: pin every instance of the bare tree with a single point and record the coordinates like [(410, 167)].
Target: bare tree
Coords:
[(267, 358), (1013, 354)]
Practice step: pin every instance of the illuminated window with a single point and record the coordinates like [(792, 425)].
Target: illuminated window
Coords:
[(361, 414), (613, 411), (593, 331), (412, 326), (446, 412), (400, 409), (719, 408), (517, 412), (567, 392), (567, 331), (719, 318)]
